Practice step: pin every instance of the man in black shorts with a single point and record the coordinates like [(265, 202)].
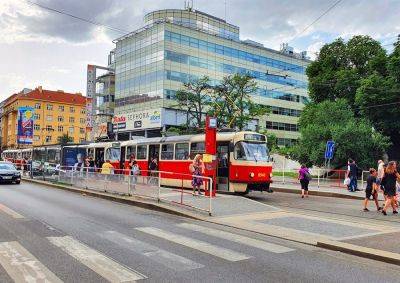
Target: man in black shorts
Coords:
[(372, 189)]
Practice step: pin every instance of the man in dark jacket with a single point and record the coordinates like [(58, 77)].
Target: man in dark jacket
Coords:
[(352, 171)]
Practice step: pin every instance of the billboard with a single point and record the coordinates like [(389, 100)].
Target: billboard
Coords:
[(25, 125), (139, 120)]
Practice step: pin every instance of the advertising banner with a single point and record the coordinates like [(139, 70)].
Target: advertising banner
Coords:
[(25, 125), (139, 120)]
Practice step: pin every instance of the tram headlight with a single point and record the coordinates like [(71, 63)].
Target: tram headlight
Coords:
[(251, 174)]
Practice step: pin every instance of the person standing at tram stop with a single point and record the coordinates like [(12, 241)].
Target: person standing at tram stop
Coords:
[(197, 170), (304, 178), (389, 183), (372, 189), (352, 171), (107, 168)]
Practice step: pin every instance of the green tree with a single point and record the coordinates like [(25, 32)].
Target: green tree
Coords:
[(193, 98), (378, 99), (333, 120), (64, 139), (339, 67), (232, 102)]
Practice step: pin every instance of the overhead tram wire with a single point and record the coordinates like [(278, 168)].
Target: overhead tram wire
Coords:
[(121, 31)]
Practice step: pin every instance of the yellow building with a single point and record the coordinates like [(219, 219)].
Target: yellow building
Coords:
[(56, 113)]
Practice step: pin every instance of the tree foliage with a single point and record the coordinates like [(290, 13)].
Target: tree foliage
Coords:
[(193, 98), (361, 72), (334, 120), (64, 139), (230, 101)]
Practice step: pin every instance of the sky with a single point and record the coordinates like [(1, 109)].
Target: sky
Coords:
[(38, 47)]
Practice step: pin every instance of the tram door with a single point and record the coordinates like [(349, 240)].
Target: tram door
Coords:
[(223, 166), (154, 150)]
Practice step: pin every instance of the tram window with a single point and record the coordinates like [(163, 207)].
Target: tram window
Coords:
[(141, 152), (240, 154), (182, 151), (130, 150), (196, 148), (167, 152), (113, 153), (91, 152)]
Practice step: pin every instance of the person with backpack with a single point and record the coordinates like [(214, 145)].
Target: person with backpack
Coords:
[(304, 178)]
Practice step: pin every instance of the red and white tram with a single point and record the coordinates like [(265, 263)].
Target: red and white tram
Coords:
[(243, 159)]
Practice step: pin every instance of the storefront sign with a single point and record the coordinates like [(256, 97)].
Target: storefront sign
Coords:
[(138, 120)]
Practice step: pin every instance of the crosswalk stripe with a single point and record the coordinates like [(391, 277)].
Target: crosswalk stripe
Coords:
[(195, 244), (170, 260), (99, 263), (10, 212), (237, 238), (22, 266)]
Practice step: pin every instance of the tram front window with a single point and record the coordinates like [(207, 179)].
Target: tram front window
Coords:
[(251, 151), (113, 154)]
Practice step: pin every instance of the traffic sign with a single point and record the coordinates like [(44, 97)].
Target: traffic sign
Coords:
[(329, 150)]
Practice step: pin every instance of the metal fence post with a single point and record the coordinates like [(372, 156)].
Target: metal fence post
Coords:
[(159, 188), (283, 170), (210, 196)]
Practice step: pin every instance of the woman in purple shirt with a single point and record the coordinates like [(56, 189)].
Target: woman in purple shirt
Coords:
[(304, 180)]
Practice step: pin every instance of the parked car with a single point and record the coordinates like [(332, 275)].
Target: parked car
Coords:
[(8, 173)]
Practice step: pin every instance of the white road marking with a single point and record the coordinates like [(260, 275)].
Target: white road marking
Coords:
[(99, 263), (22, 266), (10, 212), (170, 260), (237, 238), (195, 244)]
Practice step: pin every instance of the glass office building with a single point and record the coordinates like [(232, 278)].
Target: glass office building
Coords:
[(176, 46)]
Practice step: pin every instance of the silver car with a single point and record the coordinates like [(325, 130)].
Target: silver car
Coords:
[(8, 173)]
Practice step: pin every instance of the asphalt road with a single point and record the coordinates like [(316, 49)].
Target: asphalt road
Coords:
[(61, 236)]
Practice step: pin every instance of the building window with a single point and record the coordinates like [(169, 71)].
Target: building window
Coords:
[(49, 128), (48, 138), (82, 130), (60, 119), (49, 107), (36, 116), (36, 127), (71, 130), (60, 128), (281, 126), (83, 111), (61, 108), (36, 138), (82, 120), (71, 119), (72, 109), (49, 118), (37, 105)]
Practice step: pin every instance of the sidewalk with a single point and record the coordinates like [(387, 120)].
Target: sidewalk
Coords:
[(321, 191)]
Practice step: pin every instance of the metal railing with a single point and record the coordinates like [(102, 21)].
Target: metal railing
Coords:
[(162, 186), (321, 178)]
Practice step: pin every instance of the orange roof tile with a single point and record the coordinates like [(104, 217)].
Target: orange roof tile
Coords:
[(49, 95)]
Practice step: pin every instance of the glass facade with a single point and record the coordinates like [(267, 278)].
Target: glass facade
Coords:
[(179, 46)]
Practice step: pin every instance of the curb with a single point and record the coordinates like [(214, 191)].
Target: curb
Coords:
[(360, 251), (317, 193), (138, 201)]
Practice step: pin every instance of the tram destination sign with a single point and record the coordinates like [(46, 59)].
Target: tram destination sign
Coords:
[(145, 119)]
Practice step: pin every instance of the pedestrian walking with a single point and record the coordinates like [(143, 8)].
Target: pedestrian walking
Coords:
[(304, 178), (389, 182), (372, 190), (131, 162), (197, 170), (153, 168), (90, 164), (352, 172)]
